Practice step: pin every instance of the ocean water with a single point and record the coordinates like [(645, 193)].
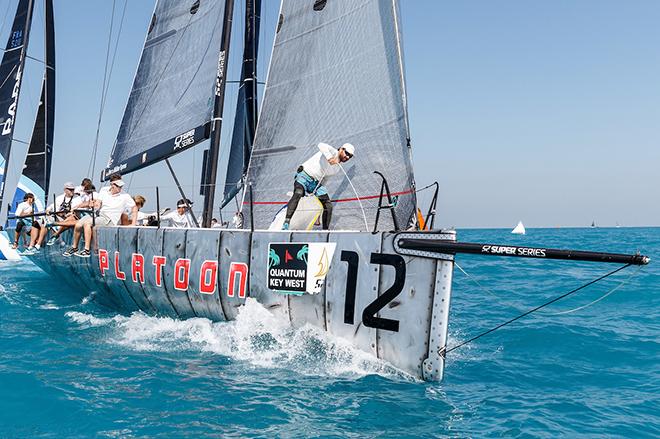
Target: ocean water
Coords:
[(73, 369)]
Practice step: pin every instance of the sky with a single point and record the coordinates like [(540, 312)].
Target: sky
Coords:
[(545, 112)]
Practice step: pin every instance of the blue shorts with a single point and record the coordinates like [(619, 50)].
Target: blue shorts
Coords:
[(311, 185)]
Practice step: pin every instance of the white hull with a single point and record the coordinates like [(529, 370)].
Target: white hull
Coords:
[(392, 305)]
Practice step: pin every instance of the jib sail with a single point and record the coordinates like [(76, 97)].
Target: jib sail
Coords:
[(11, 75), (171, 104), (245, 120), (36, 172), (335, 76)]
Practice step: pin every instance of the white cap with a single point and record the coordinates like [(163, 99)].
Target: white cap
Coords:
[(349, 148), (69, 185), (119, 183)]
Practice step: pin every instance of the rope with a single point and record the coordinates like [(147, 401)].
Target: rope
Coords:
[(364, 215), (612, 291), (444, 351), (473, 279)]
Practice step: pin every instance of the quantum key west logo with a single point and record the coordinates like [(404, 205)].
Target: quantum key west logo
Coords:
[(298, 268)]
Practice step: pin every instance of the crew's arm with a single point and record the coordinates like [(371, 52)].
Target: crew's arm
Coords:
[(134, 214), (329, 153)]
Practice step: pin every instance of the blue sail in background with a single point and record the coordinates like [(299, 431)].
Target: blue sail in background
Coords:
[(11, 75), (36, 171)]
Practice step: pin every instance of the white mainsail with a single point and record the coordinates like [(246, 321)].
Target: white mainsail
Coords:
[(519, 229)]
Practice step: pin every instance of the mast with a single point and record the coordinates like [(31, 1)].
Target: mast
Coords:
[(245, 120), (211, 171), (11, 74)]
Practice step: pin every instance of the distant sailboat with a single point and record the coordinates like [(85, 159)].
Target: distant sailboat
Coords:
[(519, 229), (593, 224)]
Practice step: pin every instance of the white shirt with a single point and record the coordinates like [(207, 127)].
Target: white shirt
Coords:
[(179, 221), (112, 206), (89, 196), (318, 167), (75, 202), (23, 208)]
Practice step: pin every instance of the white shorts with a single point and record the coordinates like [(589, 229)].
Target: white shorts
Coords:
[(101, 220)]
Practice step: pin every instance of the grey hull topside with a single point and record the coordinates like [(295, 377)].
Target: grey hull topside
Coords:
[(390, 305)]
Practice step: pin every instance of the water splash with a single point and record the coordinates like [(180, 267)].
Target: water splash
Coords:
[(256, 337)]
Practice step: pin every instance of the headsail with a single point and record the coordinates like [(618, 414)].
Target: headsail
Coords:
[(335, 76), (245, 120), (171, 103), (36, 172), (11, 74)]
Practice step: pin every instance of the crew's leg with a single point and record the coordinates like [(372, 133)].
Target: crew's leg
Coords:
[(34, 233), (43, 230), (298, 193), (77, 231), (88, 236), (327, 210), (17, 235)]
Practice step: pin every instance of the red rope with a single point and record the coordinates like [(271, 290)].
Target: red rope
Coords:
[(341, 200)]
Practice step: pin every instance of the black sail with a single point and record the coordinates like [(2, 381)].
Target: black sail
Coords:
[(36, 172), (11, 74), (171, 104), (245, 120)]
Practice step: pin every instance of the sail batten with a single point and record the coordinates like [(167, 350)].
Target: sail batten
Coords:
[(171, 102), (336, 76)]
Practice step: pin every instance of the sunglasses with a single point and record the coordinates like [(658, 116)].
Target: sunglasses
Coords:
[(348, 154)]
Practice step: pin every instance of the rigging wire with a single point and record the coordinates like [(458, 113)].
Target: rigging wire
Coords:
[(444, 351), (612, 291), (473, 279), (107, 75), (364, 215)]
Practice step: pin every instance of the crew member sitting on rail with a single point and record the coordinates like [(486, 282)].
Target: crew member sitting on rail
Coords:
[(310, 176), (27, 222), (69, 206), (181, 217), (111, 205)]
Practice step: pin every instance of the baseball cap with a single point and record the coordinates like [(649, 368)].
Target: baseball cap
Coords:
[(349, 148), (69, 185), (184, 203), (119, 183)]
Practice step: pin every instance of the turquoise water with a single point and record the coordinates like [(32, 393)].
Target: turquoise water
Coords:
[(71, 369)]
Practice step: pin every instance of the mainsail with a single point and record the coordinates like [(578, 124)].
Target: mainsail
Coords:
[(36, 172), (245, 119), (171, 104), (11, 74), (335, 76)]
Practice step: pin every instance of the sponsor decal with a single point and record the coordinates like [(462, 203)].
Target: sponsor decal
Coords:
[(298, 268), (116, 169), (221, 72), (8, 125), (180, 273), (512, 250), (185, 139)]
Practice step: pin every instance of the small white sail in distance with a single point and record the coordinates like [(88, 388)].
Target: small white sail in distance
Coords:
[(519, 229)]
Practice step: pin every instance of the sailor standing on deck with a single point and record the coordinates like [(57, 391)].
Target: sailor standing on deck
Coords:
[(311, 175)]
